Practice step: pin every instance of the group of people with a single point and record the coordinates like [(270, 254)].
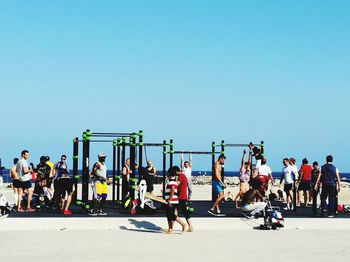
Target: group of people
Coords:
[(45, 175), (55, 183), (254, 180), (310, 180)]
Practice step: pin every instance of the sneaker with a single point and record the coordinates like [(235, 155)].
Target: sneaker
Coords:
[(101, 213), (67, 212), (92, 212), (212, 212), (248, 215)]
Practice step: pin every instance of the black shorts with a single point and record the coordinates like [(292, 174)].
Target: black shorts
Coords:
[(288, 187), (16, 183), (25, 184), (65, 185), (49, 182), (304, 186)]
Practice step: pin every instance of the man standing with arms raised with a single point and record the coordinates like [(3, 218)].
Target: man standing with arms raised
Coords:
[(218, 186), (186, 169)]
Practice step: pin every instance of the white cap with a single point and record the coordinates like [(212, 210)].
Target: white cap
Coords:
[(101, 154)]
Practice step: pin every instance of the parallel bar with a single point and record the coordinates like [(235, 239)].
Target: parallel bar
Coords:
[(97, 141), (213, 195), (110, 134), (118, 173), (196, 152)]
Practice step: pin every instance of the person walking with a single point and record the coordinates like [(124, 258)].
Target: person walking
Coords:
[(330, 179), (182, 195), (172, 202), (218, 186)]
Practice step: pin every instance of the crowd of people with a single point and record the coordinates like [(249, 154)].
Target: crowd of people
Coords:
[(55, 185)]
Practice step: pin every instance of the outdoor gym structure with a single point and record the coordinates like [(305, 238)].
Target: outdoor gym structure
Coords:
[(119, 144)]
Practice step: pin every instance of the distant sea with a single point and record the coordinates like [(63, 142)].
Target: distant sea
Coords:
[(276, 175)]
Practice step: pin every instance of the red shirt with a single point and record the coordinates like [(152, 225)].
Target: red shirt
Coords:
[(305, 171), (182, 187)]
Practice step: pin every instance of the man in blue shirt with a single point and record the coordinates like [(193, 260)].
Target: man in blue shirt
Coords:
[(330, 179)]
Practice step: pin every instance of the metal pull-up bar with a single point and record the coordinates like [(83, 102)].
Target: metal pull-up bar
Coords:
[(194, 152)]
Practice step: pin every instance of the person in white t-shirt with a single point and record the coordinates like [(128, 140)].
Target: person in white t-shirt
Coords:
[(186, 169), (25, 175), (295, 174), (288, 178)]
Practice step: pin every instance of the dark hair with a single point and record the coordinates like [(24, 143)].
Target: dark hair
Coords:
[(329, 159), (43, 158), (222, 156), (15, 160), (292, 160), (64, 156), (171, 171), (186, 162), (24, 152), (47, 158), (263, 161), (305, 162), (315, 163), (285, 159)]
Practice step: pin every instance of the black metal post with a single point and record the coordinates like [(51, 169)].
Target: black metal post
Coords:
[(140, 150), (114, 167), (213, 196), (124, 182), (75, 166), (164, 166), (85, 178), (223, 166), (132, 165), (118, 171), (171, 151)]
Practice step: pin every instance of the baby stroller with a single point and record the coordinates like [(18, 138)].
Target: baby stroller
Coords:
[(273, 218), (4, 206)]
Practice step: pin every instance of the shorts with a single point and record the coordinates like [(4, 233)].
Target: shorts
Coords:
[(25, 184), (49, 182), (304, 186), (16, 183), (288, 187), (217, 187), (65, 185), (99, 190)]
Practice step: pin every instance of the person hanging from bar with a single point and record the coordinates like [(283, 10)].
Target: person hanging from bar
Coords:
[(244, 176), (186, 169)]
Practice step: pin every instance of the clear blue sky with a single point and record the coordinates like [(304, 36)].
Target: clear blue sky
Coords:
[(194, 71)]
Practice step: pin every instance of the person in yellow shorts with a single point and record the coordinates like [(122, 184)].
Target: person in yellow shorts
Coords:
[(98, 178)]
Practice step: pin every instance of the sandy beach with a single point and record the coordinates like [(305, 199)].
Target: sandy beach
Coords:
[(214, 239)]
